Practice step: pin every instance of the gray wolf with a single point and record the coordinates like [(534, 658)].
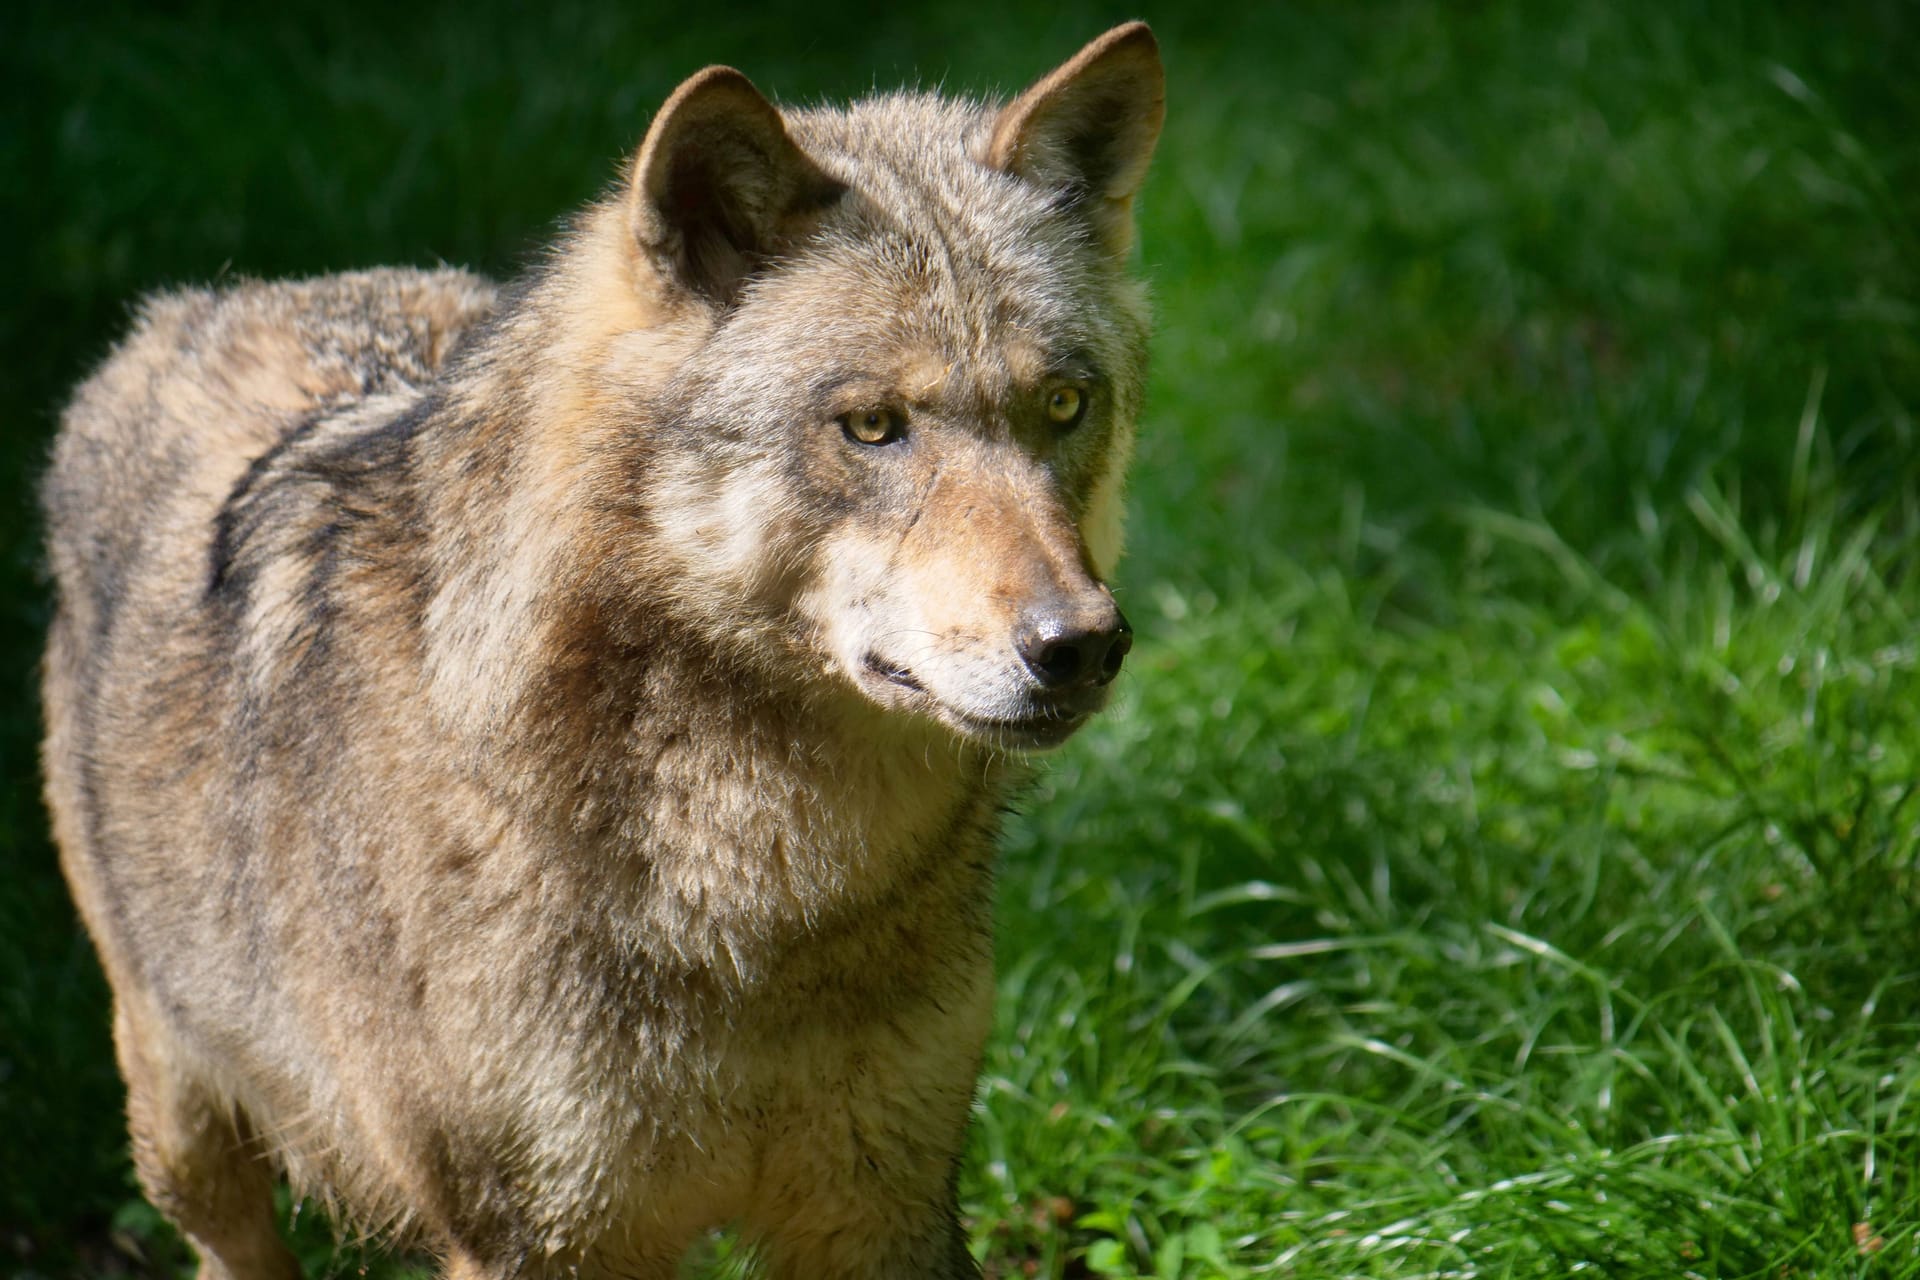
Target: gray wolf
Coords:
[(530, 759)]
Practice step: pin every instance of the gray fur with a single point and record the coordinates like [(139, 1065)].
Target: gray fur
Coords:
[(530, 771)]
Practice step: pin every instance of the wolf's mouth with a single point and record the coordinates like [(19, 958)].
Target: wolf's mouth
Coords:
[(893, 673), (1029, 733), (1049, 724)]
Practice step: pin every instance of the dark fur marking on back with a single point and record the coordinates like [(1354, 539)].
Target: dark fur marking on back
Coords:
[(339, 467), (220, 566)]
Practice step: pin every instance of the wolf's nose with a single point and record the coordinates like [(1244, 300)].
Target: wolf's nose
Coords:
[(1068, 653)]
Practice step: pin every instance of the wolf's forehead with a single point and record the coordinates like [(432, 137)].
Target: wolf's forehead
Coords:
[(925, 207), (935, 270), (930, 310), (918, 138)]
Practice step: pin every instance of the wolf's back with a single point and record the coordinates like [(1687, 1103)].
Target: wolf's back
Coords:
[(153, 446), (207, 382)]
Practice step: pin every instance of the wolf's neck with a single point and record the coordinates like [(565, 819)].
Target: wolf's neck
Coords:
[(748, 805), (743, 822), (636, 739), (516, 481)]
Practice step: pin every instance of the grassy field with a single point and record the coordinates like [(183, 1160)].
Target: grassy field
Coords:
[(1502, 862)]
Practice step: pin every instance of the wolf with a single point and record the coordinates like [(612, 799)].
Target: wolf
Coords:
[(529, 758)]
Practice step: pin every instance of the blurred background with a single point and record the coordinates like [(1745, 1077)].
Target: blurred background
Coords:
[(1501, 860)]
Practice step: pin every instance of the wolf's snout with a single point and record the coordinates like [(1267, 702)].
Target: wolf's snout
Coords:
[(1066, 650)]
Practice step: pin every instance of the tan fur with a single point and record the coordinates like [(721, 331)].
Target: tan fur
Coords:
[(530, 770)]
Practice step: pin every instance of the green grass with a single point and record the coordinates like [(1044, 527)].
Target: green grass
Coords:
[(1503, 859)]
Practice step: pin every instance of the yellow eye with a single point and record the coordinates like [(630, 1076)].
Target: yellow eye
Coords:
[(873, 426), (1065, 405)]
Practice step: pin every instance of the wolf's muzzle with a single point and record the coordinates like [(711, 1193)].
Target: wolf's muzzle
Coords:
[(1075, 649)]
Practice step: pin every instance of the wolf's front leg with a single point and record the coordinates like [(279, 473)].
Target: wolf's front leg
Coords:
[(858, 1177), (853, 1192), (881, 1239)]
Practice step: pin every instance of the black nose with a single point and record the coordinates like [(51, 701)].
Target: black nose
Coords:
[(1065, 651)]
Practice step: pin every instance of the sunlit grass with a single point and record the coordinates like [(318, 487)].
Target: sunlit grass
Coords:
[(1542, 939)]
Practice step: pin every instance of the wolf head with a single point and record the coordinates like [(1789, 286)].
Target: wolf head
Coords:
[(888, 360)]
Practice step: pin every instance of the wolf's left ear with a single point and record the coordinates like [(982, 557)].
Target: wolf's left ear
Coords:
[(719, 186), (1088, 128)]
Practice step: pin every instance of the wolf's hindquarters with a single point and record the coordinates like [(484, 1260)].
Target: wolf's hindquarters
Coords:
[(196, 1157)]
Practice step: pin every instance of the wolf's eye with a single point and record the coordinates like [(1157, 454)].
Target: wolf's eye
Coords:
[(1066, 405), (873, 426)]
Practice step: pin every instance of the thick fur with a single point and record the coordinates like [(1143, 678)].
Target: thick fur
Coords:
[(531, 771)]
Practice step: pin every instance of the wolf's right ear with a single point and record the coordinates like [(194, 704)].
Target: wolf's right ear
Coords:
[(719, 186), (1088, 128)]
